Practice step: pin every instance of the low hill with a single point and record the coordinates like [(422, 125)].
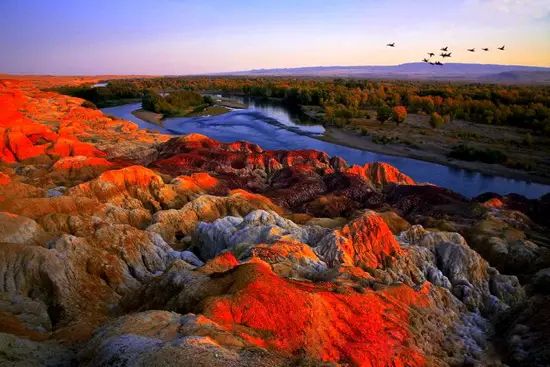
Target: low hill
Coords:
[(418, 70)]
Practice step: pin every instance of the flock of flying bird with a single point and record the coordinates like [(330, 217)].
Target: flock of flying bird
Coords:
[(445, 53)]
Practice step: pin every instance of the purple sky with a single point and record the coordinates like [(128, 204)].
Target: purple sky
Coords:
[(185, 37)]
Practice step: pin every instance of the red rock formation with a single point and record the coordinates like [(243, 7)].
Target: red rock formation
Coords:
[(300, 180), (198, 182), (81, 167), (4, 179), (368, 329), (381, 174), (367, 241), (221, 263), (71, 257)]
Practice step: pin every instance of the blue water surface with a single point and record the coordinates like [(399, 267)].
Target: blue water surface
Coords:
[(274, 127)]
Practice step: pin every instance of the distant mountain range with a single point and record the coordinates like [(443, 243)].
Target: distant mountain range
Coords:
[(418, 70)]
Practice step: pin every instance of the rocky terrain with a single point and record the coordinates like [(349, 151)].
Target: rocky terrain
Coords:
[(122, 247)]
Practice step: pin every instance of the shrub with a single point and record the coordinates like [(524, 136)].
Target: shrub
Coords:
[(174, 104), (467, 153), (88, 104), (208, 100), (436, 121), (344, 113), (399, 114), (328, 275), (383, 139), (383, 113), (528, 141), (341, 290), (339, 123), (522, 165)]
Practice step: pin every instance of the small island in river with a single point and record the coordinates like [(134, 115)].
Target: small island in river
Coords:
[(184, 103)]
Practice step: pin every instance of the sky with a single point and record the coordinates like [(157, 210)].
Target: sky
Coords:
[(71, 37)]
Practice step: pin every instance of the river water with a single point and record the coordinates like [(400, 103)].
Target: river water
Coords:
[(274, 127)]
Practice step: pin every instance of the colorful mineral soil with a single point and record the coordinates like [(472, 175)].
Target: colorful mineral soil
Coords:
[(120, 246)]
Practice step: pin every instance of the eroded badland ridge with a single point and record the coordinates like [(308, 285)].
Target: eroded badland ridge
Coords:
[(120, 246)]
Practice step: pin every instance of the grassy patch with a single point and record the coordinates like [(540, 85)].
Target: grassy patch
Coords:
[(383, 139), (467, 153), (209, 111)]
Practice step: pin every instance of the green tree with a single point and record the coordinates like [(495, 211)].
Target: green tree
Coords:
[(383, 113), (436, 121)]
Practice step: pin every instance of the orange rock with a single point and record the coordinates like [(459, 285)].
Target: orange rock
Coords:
[(129, 177), (79, 168), (4, 179), (494, 203), (223, 262), (366, 241), (22, 147), (259, 201), (370, 329), (38, 207), (78, 162), (381, 174), (130, 187), (284, 250), (6, 155), (65, 147), (198, 182)]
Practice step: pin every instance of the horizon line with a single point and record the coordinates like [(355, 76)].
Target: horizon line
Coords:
[(220, 73)]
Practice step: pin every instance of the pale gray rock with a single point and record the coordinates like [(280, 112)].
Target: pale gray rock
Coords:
[(516, 256), (20, 352), (190, 258), (56, 191), (179, 289), (160, 338), (32, 314), (257, 227), (78, 277), (457, 267)]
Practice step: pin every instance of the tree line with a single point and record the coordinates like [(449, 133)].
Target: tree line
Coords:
[(341, 99)]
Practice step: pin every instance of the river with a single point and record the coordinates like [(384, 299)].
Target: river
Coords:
[(274, 127)]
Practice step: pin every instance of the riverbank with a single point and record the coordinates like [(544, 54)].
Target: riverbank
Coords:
[(259, 124), (352, 139), (149, 116), (231, 103), (157, 118)]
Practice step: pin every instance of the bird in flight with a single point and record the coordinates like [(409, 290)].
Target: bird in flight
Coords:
[(439, 63), (445, 48), (485, 49), (425, 60), (472, 49), (431, 54), (501, 48), (391, 44), (445, 54)]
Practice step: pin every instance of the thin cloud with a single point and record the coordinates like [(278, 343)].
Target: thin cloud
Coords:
[(534, 9)]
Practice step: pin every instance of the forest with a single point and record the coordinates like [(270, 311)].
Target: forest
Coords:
[(343, 99)]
